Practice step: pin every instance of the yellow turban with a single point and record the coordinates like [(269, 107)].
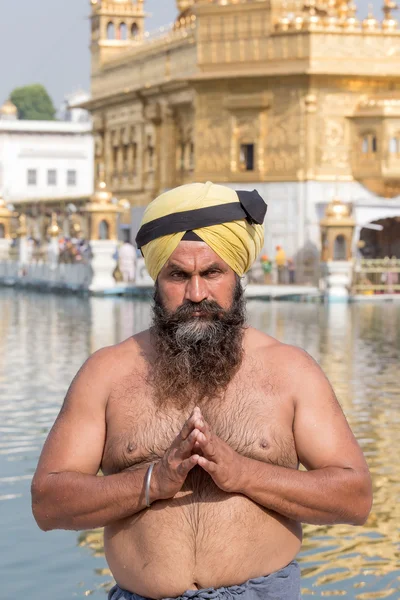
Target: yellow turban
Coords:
[(229, 222)]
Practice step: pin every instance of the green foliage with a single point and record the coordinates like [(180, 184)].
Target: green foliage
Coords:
[(33, 103)]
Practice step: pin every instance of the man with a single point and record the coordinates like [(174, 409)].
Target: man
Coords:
[(127, 261), (199, 426)]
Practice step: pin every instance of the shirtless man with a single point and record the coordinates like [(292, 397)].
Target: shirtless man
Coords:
[(223, 413)]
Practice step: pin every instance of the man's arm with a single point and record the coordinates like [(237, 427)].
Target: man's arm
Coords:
[(336, 487), (67, 493)]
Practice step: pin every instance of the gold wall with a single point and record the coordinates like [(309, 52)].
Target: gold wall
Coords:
[(189, 103)]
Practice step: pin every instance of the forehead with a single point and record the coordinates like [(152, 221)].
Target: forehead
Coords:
[(195, 255)]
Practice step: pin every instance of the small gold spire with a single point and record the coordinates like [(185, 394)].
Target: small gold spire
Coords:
[(389, 23), (312, 20), (284, 21), (101, 195), (331, 20), (370, 23), (53, 230)]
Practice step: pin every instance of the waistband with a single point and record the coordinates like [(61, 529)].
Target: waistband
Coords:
[(280, 585)]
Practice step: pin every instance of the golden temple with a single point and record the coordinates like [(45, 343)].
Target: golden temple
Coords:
[(290, 97)]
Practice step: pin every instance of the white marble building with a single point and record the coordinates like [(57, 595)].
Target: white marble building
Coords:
[(44, 160)]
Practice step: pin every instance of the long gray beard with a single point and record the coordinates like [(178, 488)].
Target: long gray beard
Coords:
[(196, 357)]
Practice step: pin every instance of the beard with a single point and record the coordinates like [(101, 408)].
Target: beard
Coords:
[(196, 356)]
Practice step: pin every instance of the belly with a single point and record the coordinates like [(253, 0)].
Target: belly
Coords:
[(195, 543)]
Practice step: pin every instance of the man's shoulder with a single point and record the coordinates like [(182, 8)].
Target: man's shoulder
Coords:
[(270, 349), (118, 358)]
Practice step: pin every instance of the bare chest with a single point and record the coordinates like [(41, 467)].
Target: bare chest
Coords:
[(254, 421)]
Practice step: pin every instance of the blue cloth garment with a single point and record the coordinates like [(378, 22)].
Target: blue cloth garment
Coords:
[(282, 585)]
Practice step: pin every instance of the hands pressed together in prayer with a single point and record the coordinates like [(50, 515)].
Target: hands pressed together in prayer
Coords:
[(195, 445)]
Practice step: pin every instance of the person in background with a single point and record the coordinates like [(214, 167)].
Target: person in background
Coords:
[(291, 270), (280, 261), (127, 262), (267, 268)]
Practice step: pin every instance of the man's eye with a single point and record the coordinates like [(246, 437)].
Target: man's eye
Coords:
[(177, 275), (213, 273)]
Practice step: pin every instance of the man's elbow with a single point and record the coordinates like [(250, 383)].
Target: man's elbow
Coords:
[(41, 506), (363, 500)]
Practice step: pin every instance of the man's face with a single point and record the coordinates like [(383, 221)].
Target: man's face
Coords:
[(195, 273)]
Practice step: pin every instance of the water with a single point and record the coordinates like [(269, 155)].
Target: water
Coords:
[(45, 339)]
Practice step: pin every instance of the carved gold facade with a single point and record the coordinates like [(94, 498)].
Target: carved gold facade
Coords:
[(246, 91)]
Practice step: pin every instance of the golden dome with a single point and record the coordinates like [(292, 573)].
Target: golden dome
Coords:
[(312, 18), (4, 211), (101, 195), (53, 230), (9, 109), (183, 5), (337, 209), (297, 23), (283, 23), (370, 23), (351, 21), (389, 23)]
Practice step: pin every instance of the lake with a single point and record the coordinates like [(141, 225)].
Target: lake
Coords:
[(44, 339)]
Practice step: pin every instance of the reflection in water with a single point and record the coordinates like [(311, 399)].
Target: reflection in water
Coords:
[(45, 339)]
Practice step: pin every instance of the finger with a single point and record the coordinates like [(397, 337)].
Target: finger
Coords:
[(188, 427), (207, 465), (203, 426), (187, 465), (186, 446), (207, 446)]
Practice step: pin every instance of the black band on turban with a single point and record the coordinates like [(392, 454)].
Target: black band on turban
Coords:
[(251, 207)]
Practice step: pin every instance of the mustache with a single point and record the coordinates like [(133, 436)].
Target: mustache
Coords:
[(185, 312)]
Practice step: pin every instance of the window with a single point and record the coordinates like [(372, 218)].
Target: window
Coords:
[(115, 160), (150, 154), (123, 32), (111, 31), (32, 177), (191, 156), (247, 157), (182, 157), (394, 145), (134, 30), (125, 158), (71, 177), (51, 177), (369, 143), (134, 157)]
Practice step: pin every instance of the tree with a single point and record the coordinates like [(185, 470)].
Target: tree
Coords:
[(33, 103)]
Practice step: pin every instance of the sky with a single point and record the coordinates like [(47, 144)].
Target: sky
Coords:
[(47, 42)]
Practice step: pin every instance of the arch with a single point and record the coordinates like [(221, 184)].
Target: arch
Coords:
[(383, 241), (104, 230), (123, 31), (134, 30), (111, 31), (2, 231), (340, 248)]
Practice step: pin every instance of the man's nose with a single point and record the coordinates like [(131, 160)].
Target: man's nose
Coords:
[(196, 289)]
